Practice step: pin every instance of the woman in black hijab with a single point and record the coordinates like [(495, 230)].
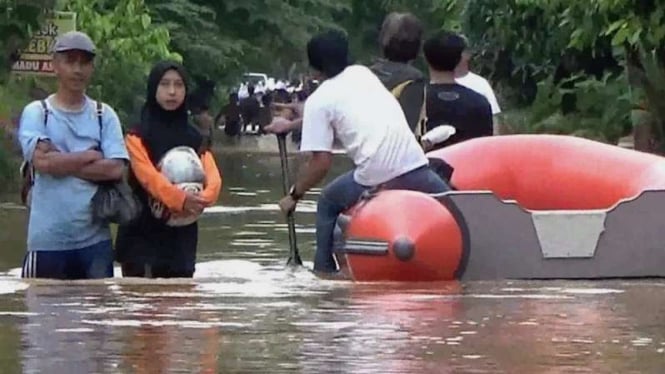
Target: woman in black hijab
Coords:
[(149, 247)]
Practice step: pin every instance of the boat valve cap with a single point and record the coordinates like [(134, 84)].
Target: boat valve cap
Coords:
[(404, 249)]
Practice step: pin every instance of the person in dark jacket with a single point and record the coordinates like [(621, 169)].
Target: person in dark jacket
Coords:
[(400, 39), (231, 113)]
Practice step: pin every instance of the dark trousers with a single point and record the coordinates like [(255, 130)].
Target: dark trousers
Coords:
[(155, 271), (93, 262)]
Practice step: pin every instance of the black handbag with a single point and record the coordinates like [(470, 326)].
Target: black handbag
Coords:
[(115, 202)]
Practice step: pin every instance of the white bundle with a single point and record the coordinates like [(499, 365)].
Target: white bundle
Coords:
[(439, 134)]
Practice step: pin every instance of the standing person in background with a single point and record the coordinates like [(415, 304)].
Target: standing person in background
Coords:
[(400, 39), (204, 123), (264, 117), (465, 77), (231, 114), (249, 109), (149, 247), (448, 102), (72, 143)]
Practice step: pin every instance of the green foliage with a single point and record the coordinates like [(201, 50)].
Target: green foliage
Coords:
[(196, 35), (269, 36), (593, 117), (636, 31), (520, 42), (242, 35), (128, 44), (558, 61), (625, 22), (574, 45), (14, 94), (8, 165), (18, 20)]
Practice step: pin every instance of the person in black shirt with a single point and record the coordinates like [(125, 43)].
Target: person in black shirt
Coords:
[(249, 109), (231, 114), (449, 103)]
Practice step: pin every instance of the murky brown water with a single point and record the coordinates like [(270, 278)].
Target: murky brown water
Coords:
[(245, 312)]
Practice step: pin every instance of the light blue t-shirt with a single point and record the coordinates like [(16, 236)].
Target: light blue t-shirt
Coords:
[(61, 209)]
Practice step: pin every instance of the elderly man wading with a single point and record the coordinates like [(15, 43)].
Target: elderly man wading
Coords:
[(73, 143)]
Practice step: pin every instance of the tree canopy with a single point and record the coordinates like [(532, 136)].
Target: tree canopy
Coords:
[(560, 58)]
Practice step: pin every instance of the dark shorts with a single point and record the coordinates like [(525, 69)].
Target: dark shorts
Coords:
[(140, 270), (93, 262)]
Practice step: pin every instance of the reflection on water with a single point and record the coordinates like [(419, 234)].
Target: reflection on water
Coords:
[(245, 312), (241, 317)]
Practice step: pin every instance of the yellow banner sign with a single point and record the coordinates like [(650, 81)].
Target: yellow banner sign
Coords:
[(36, 57)]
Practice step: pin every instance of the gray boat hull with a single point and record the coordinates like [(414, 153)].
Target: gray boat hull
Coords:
[(506, 241), (502, 240)]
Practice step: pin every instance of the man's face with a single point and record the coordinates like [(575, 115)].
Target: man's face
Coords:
[(73, 69)]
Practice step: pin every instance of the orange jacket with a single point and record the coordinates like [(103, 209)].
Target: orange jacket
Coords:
[(156, 184)]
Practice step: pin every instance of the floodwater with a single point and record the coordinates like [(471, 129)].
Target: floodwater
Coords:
[(245, 312)]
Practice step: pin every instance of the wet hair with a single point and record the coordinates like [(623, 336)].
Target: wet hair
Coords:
[(328, 53), (281, 96), (266, 99), (443, 51), (400, 37)]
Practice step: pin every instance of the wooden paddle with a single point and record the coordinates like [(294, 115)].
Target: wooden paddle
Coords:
[(294, 255)]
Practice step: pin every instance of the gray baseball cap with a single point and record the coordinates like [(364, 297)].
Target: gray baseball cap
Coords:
[(74, 40)]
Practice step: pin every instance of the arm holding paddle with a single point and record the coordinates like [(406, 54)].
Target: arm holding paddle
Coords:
[(317, 139), (288, 117), (281, 125), (315, 169), (294, 254), (310, 175)]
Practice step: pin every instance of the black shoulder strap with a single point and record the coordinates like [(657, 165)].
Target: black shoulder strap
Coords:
[(421, 126), (45, 107), (100, 113)]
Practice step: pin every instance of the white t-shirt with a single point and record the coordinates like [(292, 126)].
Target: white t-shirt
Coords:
[(368, 121), (482, 86)]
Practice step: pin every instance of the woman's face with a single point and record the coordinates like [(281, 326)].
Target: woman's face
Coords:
[(171, 91)]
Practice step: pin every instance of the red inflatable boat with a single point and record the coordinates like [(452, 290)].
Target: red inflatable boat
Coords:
[(527, 206)]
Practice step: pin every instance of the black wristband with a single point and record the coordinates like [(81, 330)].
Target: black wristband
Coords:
[(293, 193)]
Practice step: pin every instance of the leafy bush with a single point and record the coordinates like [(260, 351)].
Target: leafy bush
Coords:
[(602, 109)]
